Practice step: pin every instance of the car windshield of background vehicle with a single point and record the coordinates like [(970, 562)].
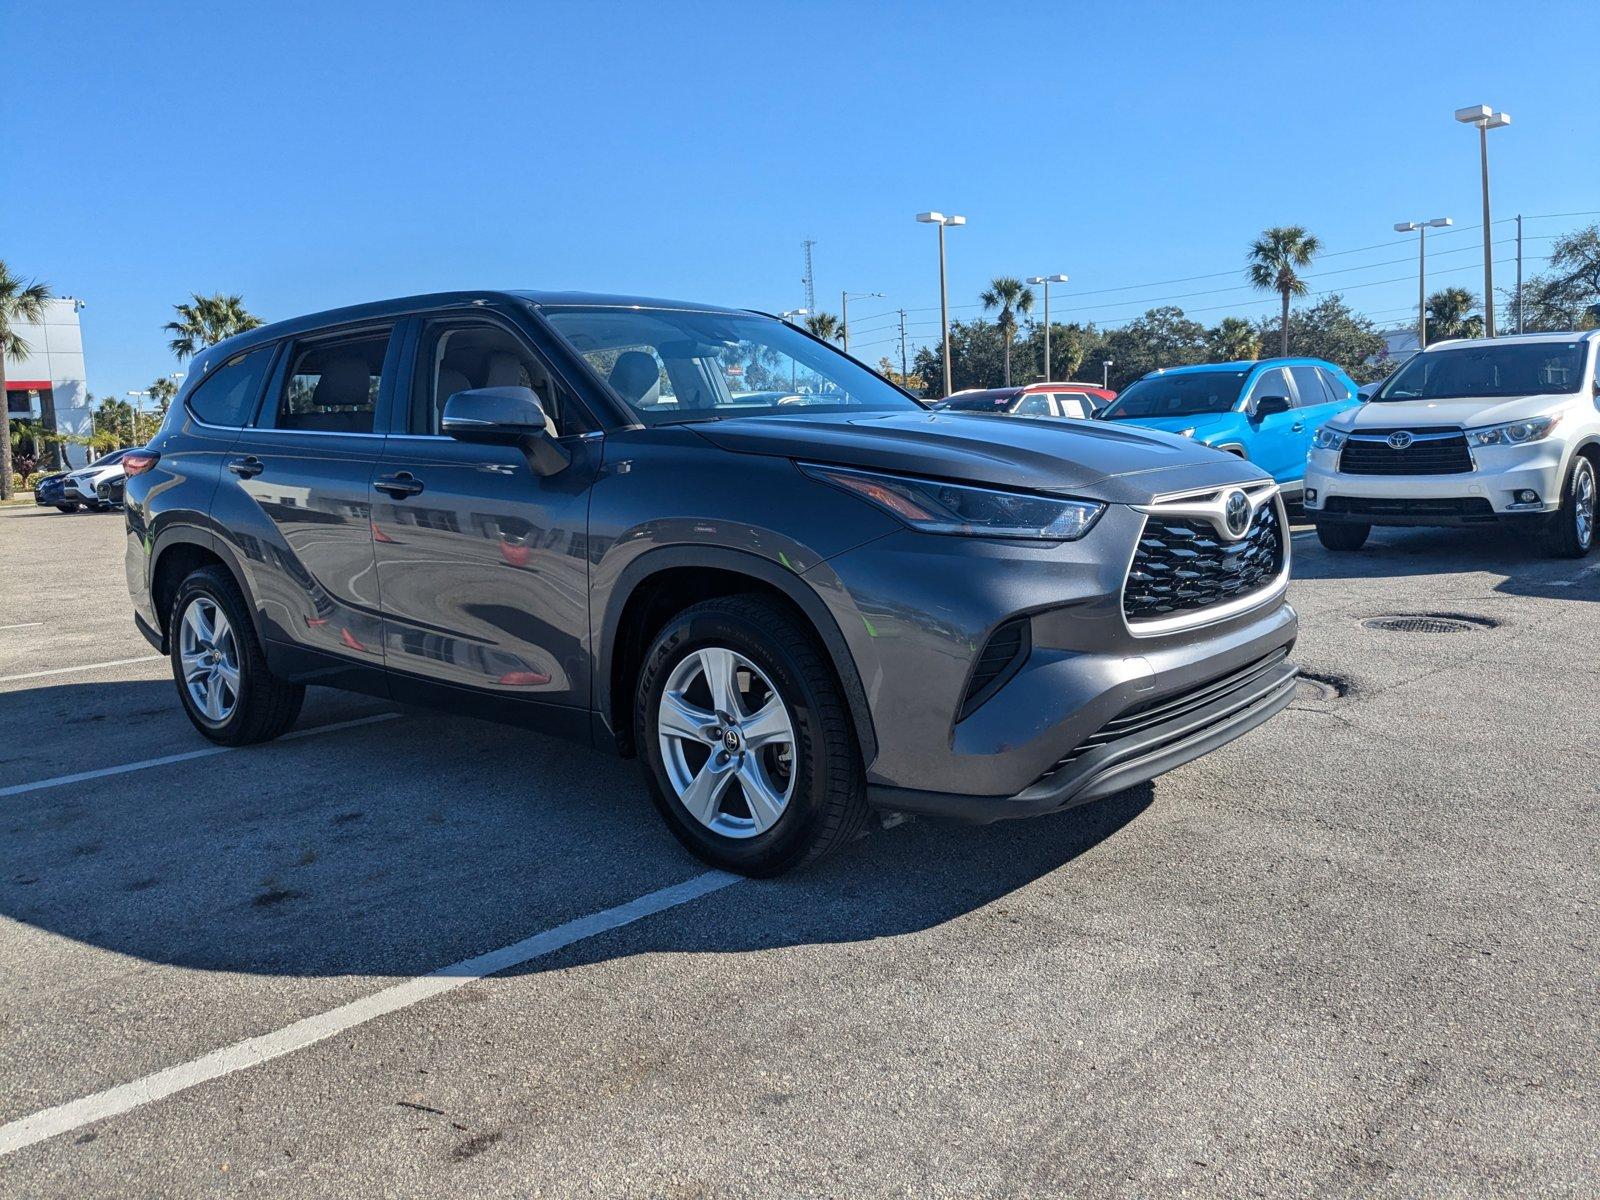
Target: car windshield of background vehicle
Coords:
[(1528, 369), (671, 366), (1184, 395)]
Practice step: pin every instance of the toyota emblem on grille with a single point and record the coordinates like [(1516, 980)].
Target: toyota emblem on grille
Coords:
[(1236, 513), (1399, 440)]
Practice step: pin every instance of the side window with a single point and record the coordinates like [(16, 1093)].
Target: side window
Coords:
[(228, 395), (457, 356), (332, 384), (1308, 382), (1034, 404), (1337, 391), (1074, 404), (1271, 382)]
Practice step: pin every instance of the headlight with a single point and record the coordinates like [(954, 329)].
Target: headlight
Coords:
[(937, 507), (1513, 433), (1328, 439)]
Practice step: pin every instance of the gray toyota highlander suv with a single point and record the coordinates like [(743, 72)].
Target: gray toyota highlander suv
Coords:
[(699, 536)]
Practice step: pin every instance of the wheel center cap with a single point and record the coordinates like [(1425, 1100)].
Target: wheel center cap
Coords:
[(731, 741)]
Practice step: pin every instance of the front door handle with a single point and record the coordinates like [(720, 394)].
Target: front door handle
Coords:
[(1297, 426), (246, 468), (399, 486)]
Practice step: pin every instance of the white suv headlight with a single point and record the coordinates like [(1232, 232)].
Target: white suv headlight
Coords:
[(1328, 439), (1513, 433)]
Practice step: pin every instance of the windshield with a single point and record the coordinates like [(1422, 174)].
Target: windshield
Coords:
[(1508, 369), (672, 366), (991, 401), (1185, 395)]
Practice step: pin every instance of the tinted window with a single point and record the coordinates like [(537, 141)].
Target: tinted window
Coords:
[(1270, 383), (1034, 405), (1308, 382), (456, 356), (992, 401), (1337, 389), (1182, 395), (228, 395), (332, 384)]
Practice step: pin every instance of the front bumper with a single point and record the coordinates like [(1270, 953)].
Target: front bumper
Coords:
[(1486, 493)]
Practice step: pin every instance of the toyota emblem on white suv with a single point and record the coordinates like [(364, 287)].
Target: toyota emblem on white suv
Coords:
[(1399, 440)]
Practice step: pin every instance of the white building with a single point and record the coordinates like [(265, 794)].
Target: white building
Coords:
[(50, 385)]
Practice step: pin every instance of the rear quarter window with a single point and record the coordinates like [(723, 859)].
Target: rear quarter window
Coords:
[(228, 395)]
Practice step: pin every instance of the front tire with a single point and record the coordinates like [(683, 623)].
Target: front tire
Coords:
[(67, 508), (223, 681), (1339, 536), (746, 740), (1572, 527)]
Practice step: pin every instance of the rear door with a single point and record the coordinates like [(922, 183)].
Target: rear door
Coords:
[(484, 565), (296, 497)]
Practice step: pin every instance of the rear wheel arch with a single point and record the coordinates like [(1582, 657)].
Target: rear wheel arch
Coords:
[(178, 554), (661, 583)]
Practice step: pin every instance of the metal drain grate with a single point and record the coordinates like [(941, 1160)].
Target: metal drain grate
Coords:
[(1419, 624)]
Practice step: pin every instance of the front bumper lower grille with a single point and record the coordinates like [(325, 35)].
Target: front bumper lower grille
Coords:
[(1386, 506), (1184, 565)]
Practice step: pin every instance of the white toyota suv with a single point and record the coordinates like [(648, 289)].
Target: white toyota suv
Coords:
[(1466, 433)]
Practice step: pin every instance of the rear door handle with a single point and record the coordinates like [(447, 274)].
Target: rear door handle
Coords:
[(246, 468), (399, 486)]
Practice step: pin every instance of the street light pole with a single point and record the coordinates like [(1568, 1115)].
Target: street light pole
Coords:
[(1047, 280), (1420, 228), (1105, 375), (844, 311), (939, 219), (1485, 118)]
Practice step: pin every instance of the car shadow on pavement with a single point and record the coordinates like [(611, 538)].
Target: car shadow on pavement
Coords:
[(1516, 555), (400, 847)]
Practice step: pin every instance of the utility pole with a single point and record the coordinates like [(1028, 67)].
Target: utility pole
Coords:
[(1519, 272), (809, 278), (904, 374), (844, 312)]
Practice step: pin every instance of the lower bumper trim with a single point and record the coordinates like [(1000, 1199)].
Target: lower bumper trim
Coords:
[(1115, 766)]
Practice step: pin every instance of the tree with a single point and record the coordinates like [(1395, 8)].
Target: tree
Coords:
[(1011, 296), (1448, 315), (1233, 339), (1567, 296), (1163, 337), (1330, 329), (825, 326), (19, 302), (912, 382), (976, 359), (1274, 264), (1070, 347), (207, 320)]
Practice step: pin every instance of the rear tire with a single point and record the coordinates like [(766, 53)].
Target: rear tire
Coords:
[(252, 704), (1571, 532), (806, 792), (67, 508), (1336, 535)]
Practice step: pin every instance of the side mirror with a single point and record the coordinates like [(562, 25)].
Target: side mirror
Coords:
[(505, 416), (1268, 406)]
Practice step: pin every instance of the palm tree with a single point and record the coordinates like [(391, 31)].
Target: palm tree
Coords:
[(207, 320), (162, 391), (1274, 263), (1448, 317), (1011, 296), (1233, 340), (19, 302), (825, 326)]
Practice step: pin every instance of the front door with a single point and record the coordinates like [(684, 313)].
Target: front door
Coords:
[(484, 565), (296, 495), (1275, 442)]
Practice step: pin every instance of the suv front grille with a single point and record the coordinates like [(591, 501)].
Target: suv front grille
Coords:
[(1183, 564), (1400, 506), (1431, 452)]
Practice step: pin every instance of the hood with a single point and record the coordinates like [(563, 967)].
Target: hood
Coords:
[(1468, 413), (1201, 423), (1096, 460)]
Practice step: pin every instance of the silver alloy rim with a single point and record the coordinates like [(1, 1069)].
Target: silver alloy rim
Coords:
[(1583, 503), (727, 742), (209, 655)]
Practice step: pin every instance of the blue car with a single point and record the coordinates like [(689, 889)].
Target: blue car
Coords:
[(1266, 411)]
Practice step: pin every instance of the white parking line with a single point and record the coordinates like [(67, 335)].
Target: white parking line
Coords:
[(116, 662), (21, 625), (39, 785), (64, 1118)]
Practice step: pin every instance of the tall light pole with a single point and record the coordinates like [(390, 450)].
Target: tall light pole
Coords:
[(794, 312), (1485, 118), (133, 421), (939, 219), (1047, 280), (844, 311), (1105, 375), (1420, 228)]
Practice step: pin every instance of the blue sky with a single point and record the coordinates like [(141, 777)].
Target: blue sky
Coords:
[(312, 155)]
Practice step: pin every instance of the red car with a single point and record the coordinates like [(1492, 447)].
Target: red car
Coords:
[(1033, 400)]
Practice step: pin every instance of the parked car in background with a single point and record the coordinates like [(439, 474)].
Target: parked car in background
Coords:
[(72, 490), (1468, 433), (1265, 411), (1031, 400), (789, 612)]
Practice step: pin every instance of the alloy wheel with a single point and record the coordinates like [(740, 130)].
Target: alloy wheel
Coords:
[(1583, 504), (209, 654), (727, 741)]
